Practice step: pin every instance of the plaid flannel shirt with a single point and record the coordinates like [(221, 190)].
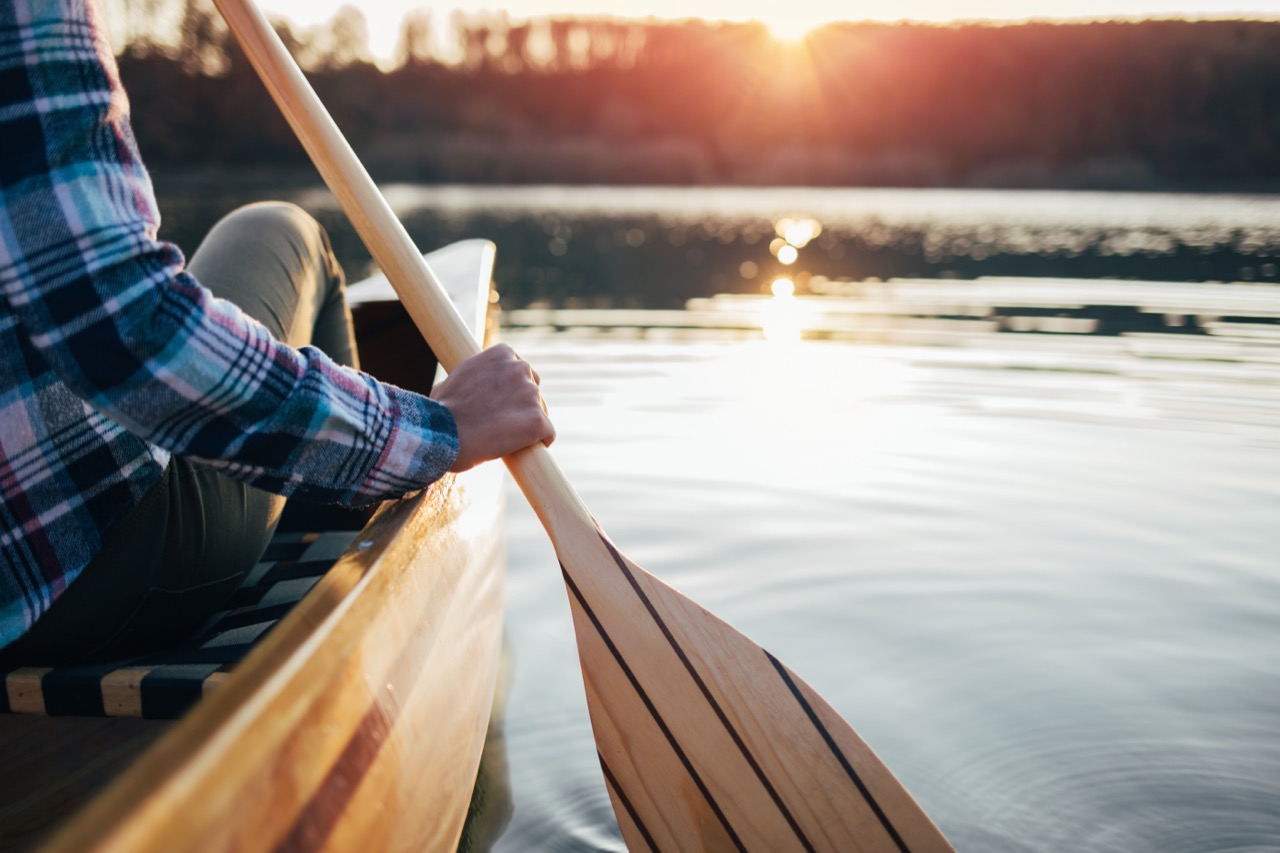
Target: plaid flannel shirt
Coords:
[(112, 357)]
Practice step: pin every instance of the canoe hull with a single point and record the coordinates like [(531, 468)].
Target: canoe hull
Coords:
[(351, 715), (357, 723)]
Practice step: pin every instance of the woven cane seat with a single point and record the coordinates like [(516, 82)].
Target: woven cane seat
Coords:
[(165, 684)]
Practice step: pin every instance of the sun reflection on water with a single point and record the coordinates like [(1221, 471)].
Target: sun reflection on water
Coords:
[(798, 232), (793, 235), (782, 319), (783, 315)]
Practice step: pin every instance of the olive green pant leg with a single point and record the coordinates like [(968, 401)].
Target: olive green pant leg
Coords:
[(177, 557)]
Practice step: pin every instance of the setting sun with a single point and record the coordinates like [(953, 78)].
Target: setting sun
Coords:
[(793, 26)]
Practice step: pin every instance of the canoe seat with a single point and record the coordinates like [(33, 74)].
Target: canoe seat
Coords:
[(165, 684)]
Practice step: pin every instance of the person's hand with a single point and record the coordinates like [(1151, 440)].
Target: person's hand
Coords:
[(494, 399)]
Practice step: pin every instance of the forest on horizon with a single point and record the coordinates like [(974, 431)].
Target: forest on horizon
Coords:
[(1149, 105)]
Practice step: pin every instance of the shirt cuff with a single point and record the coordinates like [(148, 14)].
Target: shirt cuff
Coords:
[(420, 449)]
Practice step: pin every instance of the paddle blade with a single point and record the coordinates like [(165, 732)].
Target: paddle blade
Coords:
[(707, 742)]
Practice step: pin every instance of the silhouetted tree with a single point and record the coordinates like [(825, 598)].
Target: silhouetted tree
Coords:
[(416, 46)]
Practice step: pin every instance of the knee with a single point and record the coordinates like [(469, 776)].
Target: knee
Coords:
[(281, 230), (266, 219)]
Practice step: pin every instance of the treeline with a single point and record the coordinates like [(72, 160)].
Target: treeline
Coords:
[(1138, 105)]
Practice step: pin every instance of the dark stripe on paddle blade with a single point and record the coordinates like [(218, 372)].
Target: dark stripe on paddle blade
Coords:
[(836, 751), (626, 803), (711, 700), (653, 711)]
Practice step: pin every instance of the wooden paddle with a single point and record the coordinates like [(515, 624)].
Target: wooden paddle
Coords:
[(706, 740)]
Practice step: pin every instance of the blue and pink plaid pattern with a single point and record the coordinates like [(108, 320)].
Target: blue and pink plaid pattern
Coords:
[(112, 357)]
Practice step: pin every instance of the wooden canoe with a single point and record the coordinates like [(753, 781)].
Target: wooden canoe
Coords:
[(356, 723)]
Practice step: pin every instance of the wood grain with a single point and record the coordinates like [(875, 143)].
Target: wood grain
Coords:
[(54, 765), (709, 743)]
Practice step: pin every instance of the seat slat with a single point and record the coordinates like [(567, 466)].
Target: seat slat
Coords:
[(165, 684)]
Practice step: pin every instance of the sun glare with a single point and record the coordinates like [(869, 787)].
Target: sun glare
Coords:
[(781, 319), (798, 232), (791, 28), (789, 24)]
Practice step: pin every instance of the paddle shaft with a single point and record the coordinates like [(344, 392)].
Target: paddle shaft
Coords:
[(535, 471)]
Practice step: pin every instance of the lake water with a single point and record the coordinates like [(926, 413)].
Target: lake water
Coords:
[(1037, 575), (644, 247), (1036, 572)]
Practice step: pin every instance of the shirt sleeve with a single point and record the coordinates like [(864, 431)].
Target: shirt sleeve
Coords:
[(111, 310)]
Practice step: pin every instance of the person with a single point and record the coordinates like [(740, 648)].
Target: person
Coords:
[(154, 414)]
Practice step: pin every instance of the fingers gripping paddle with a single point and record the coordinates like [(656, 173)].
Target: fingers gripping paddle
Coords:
[(707, 742)]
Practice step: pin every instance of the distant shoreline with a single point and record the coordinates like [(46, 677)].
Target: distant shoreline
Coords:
[(234, 179)]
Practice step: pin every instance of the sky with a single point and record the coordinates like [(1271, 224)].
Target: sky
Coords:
[(787, 18)]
